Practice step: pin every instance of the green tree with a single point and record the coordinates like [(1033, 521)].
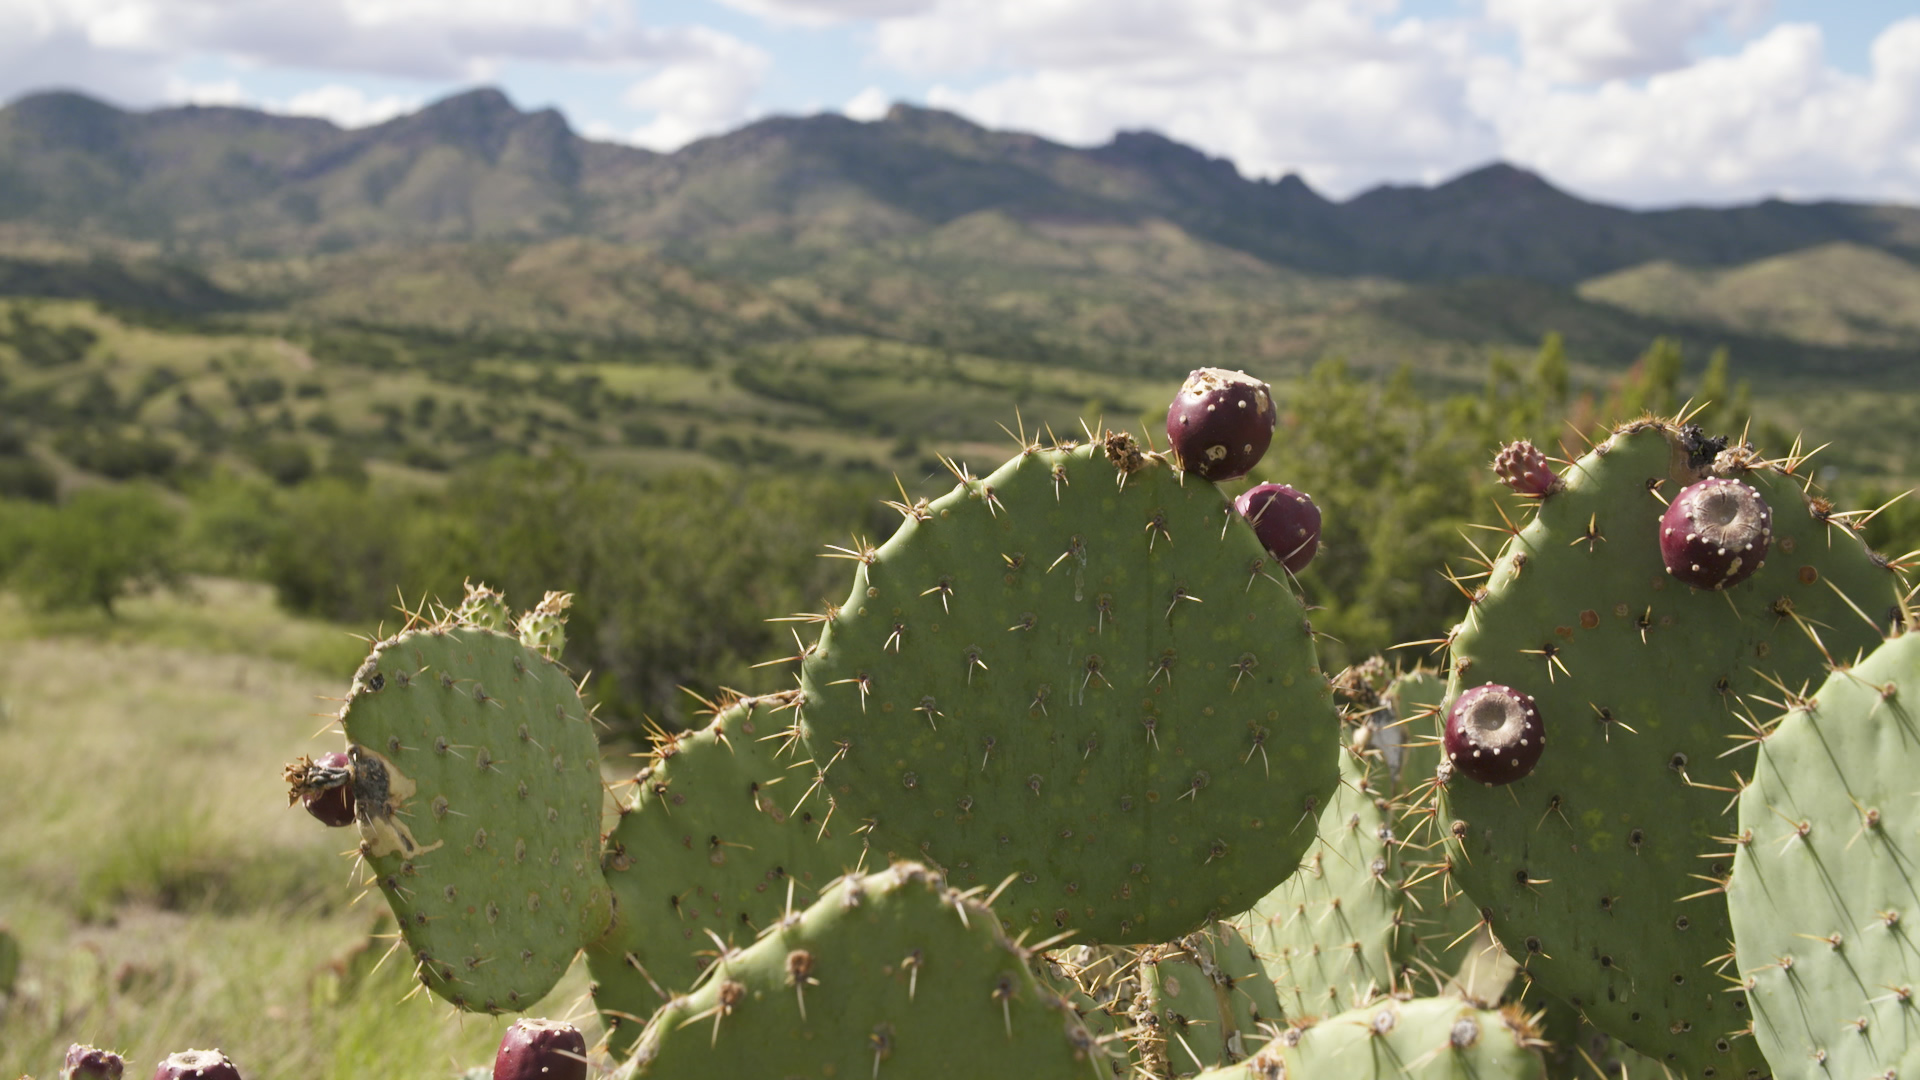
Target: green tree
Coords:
[(100, 546), (1550, 372)]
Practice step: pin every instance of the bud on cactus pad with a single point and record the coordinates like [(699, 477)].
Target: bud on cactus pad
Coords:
[(1715, 533), (712, 838), (889, 975), (477, 787), (91, 1063), (541, 1050), (1494, 734), (1646, 683), (1084, 675), (196, 1065), (325, 787), (1285, 520), (1821, 896), (1221, 423), (1522, 467)]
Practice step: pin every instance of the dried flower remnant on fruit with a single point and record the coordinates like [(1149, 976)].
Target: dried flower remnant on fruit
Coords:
[(1494, 734), (1715, 533), (1285, 520), (324, 786), (1220, 423), (92, 1063)]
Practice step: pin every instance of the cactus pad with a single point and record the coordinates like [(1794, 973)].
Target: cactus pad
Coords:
[(478, 797), (1084, 672), (1599, 870), (1441, 1038), (891, 974), (1201, 1001), (712, 842), (1823, 896)]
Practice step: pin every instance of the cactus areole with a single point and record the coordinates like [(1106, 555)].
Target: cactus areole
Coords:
[(1494, 734), (1285, 520), (1220, 423), (535, 1049), (196, 1065), (1715, 533)]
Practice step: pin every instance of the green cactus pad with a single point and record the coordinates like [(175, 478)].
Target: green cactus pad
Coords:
[(478, 794), (1085, 673), (1441, 1038), (1368, 913), (1599, 870), (888, 975), (1824, 897), (1201, 1002), (711, 842)]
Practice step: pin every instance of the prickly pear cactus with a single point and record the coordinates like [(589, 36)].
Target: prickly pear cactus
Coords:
[(1439, 1038), (1089, 674), (1823, 896), (716, 841), (1200, 1002), (891, 974), (477, 789), (1370, 911), (1599, 870)]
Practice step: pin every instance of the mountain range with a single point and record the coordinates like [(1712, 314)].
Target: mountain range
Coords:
[(787, 195)]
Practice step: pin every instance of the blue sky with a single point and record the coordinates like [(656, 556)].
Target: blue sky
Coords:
[(1645, 102)]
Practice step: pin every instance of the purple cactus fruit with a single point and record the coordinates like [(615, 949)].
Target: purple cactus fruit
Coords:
[(331, 805), (1285, 520), (1494, 734), (1715, 533), (196, 1065), (1220, 423), (541, 1050), (1522, 467), (92, 1063)]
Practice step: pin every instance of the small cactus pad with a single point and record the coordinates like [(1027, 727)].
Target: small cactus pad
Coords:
[(1367, 914), (891, 974), (1201, 1001), (1824, 899), (1715, 533), (1439, 1038), (1085, 673), (196, 1065), (1494, 734), (541, 1050), (1591, 867), (1285, 520), (711, 843), (1221, 423), (92, 1063), (478, 794)]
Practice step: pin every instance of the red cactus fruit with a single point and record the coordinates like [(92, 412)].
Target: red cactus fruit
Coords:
[(331, 805), (196, 1065), (1220, 423), (1522, 467), (1715, 533), (541, 1050), (1285, 520), (1494, 734), (92, 1063)]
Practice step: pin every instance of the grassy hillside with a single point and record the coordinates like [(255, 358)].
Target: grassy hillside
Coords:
[(1836, 295)]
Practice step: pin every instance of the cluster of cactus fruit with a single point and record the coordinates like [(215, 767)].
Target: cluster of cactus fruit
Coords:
[(1063, 791)]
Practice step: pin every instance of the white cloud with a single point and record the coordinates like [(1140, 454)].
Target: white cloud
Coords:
[(867, 105), (346, 105), (700, 96), (1597, 40), (826, 12)]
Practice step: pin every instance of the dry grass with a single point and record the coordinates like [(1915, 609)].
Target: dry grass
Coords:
[(165, 895)]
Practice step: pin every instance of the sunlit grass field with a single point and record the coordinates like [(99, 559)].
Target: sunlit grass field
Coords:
[(164, 894)]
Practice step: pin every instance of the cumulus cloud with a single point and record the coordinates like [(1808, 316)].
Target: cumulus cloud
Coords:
[(1598, 40), (869, 104), (698, 96), (826, 12)]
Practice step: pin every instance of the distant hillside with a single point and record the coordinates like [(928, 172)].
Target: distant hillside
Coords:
[(785, 195), (1839, 295)]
